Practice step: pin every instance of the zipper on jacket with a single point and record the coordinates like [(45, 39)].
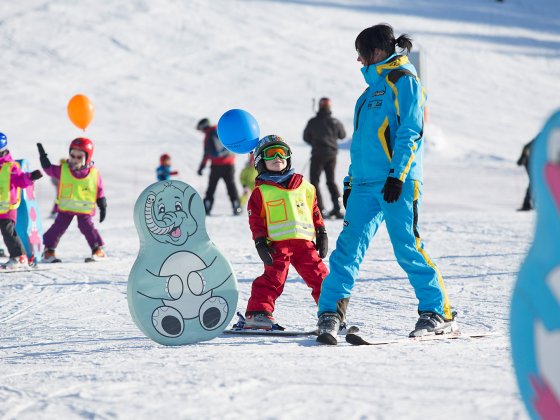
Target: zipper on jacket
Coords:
[(358, 114)]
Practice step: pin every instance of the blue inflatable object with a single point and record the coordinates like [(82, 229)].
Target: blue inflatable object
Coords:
[(181, 289), (535, 307), (29, 227), (238, 131), (3, 141)]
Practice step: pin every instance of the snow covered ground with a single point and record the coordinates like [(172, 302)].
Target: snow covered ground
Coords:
[(68, 346)]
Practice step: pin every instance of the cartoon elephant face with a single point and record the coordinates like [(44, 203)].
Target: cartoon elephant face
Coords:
[(169, 216)]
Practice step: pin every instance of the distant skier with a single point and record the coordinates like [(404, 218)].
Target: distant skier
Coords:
[(12, 179), (524, 161), (80, 189), (323, 133), (247, 179), (222, 166), (384, 183), (164, 171), (284, 219)]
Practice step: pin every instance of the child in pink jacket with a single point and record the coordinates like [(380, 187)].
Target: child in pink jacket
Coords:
[(12, 180), (80, 189)]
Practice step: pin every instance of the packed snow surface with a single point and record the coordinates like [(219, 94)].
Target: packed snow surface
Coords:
[(68, 345)]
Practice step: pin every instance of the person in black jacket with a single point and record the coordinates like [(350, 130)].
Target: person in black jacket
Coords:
[(524, 161), (322, 133)]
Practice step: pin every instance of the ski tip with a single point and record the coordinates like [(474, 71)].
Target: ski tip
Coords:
[(326, 338), (356, 340), (417, 333)]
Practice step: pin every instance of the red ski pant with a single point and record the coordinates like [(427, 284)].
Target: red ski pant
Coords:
[(270, 285)]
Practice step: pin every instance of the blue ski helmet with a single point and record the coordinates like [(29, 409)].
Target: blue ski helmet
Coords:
[(266, 141), (3, 142)]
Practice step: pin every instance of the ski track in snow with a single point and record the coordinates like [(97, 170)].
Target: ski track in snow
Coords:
[(68, 346)]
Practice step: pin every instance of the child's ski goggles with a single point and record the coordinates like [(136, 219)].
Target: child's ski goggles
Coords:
[(270, 153)]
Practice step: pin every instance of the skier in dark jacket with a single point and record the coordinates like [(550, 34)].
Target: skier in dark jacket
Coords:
[(524, 161), (222, 166), (322, 133)]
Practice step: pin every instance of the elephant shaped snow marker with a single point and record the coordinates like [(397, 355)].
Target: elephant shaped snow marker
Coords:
[(181, 289)]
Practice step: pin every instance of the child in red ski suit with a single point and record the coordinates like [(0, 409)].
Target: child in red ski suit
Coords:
[(80, 189), (284, 220), (12, 179)]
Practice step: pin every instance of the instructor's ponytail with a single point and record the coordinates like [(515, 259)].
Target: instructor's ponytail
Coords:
[(404, 42)]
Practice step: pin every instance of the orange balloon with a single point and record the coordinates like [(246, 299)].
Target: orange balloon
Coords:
[(80, 111)]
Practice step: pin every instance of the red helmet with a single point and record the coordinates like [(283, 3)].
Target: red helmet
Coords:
[(85, 145), (163, 158)]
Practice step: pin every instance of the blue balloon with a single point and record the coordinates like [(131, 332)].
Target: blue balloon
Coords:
[(238, 131)]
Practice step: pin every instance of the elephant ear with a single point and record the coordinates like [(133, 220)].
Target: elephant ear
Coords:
[(196, 209)]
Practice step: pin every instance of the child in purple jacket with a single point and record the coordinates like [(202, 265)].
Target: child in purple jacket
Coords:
[(12, 179), (80, 189)]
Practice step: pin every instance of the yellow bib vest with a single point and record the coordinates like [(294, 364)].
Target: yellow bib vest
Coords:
[(6, 203), (289, 213), (74, 194)]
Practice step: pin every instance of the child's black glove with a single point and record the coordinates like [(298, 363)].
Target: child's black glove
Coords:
[(102, 204), (346, 193), (265, 251), (45, 162), (322, 242), (36, 174), (392, 189)]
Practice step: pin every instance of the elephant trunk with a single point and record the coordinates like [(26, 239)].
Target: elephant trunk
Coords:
[(151, 223)]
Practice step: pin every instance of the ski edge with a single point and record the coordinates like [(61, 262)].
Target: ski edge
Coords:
[(270, 333)]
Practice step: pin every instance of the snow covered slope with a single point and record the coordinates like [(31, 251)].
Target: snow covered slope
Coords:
[(68, 346)]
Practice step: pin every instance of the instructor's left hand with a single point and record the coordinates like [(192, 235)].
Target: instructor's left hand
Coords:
[(322, 242)]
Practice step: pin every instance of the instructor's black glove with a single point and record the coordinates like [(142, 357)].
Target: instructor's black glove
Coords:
[(346, 193), (322, 242), (392, 189), (36, 174), (102, 204), (264, 251), (200, 169), (45, 162)]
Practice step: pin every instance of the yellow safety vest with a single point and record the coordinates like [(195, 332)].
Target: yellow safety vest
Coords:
[(77, 195), (289, 213), (6, 203)]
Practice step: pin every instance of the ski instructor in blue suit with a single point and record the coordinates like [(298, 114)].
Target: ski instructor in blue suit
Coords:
[(384, 183)]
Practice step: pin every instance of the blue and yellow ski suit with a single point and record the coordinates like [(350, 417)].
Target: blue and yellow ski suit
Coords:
[(387, 141)]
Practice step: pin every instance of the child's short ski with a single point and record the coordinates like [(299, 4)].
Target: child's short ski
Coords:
[(93, 259), (277, 330), (22, 269), (358, 340), (271, 333)]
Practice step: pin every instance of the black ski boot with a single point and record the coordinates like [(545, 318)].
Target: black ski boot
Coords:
[(236, 207), (433, 323), (208, 205), (328, 325), (336, 211)]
